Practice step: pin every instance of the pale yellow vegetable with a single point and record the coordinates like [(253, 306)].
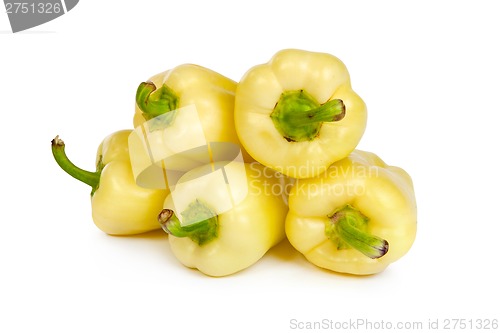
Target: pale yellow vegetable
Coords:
[(357, 217), (298, 113), (229, 222)]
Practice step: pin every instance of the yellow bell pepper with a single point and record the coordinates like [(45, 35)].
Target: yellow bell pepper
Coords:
[(357, 217), (210, 92), (298, 113), (223, 217), (119, 206)]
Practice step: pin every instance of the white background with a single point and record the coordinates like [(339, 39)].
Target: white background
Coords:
[(429, 72)]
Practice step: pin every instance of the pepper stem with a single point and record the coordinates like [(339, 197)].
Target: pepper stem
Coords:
[(298, 116), (200, 223), (90, 178), (347, 228), (154, 102)]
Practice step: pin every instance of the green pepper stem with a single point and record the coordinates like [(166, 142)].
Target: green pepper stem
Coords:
[(347, 228), (90, 178), (298, 116), (201, 223), (333, 110), (155, 102)]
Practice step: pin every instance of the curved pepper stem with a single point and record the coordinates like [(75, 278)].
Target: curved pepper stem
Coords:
[(298, 116), (347, 228), (201, 224), (90, 178), (155, 102)]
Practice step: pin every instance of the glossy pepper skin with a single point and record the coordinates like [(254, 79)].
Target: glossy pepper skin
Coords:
[(357, 218), (232, 240), (119, 206), (189, 84), (298, 113)]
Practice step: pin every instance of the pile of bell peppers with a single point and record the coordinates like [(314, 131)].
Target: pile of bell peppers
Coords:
[(230, 169)]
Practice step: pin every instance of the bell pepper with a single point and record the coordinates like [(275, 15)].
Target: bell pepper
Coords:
[(357, 217), (119, 206), (298, 113), (210, 92), (222, 224)]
